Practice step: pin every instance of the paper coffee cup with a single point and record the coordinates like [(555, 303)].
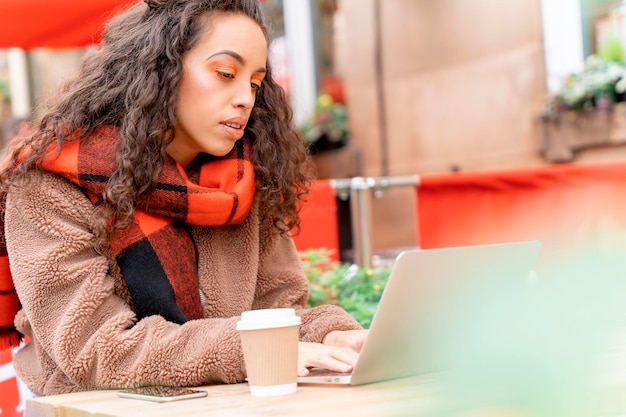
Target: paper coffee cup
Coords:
[(270, 350)]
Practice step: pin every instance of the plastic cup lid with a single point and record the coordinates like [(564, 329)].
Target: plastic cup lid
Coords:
[(268, 318)]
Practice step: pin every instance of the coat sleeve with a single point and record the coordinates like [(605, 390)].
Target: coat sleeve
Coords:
[(84, 335), (282, 283)]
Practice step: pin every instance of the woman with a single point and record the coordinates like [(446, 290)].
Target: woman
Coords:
[(152, 205)]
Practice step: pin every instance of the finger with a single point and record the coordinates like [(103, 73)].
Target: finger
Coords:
[(334, 358), (328, 363)]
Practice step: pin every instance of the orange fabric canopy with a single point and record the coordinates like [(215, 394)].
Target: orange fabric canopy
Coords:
[(32, 24)]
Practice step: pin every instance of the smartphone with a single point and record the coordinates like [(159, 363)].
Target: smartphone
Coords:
[(161, 394)]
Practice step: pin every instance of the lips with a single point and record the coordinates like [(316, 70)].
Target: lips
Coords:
[(235, 122), (234, 127)]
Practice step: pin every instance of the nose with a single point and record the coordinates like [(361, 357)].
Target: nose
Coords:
[(244, 96)]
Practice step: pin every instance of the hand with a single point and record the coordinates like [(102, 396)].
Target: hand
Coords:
[(318, 355), (352, 339)]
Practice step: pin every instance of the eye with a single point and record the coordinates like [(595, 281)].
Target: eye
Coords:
[(256, 82), (226, 74)]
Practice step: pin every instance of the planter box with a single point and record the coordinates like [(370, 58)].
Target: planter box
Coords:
[(573, 131)]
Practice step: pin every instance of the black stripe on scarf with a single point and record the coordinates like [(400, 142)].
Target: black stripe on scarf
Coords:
[(147, 283)]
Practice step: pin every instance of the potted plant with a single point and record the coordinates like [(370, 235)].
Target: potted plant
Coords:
[(589, 108), (327, 126), (601, 84)]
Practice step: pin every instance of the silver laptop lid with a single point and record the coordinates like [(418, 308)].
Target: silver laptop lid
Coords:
[(429, 292)]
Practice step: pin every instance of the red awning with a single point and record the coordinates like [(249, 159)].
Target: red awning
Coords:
[(31, 24)]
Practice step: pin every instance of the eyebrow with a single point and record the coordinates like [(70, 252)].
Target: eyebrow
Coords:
[(237, 57)]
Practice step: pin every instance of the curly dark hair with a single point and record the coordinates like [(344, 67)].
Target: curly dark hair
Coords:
[(131, 81)]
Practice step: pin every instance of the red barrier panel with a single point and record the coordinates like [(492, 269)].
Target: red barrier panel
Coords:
[(318, 220), (565, 204), (9, 393), (10, 398)]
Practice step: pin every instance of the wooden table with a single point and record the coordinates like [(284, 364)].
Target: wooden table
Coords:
[(423, 395), (403, 397), (410, 397)]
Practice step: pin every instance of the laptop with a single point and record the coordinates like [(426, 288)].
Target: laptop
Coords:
[(429, 296)]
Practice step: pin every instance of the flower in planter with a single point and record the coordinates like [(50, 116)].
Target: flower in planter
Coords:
[(327, 126), (601, 83)]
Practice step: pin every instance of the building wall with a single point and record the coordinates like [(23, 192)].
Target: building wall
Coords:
[(463, 84)]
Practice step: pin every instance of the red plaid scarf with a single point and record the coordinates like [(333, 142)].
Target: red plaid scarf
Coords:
[(155, 253)]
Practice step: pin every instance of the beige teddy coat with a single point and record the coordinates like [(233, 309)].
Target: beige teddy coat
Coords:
[(75, 307)]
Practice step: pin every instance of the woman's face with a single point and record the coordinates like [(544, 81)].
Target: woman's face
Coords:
[(220, 78)]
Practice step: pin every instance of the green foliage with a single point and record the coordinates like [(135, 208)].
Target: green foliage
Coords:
[(329, 119), (600, 79), (600, 84), (612, 50), (4, 91), (356, 289)]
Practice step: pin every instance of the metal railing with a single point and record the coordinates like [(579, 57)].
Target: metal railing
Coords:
[(360, 191)]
